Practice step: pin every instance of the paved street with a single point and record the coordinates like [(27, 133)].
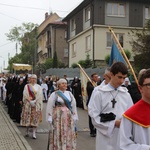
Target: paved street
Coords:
[(10, 136), (84, 141)]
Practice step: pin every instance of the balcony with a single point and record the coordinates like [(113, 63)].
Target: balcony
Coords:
[(48, 44), (39, 49)]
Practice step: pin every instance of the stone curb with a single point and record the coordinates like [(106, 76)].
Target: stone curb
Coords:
[(21, 141)]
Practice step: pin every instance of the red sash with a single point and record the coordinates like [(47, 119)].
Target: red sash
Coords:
[(139, 113), (31, 92)]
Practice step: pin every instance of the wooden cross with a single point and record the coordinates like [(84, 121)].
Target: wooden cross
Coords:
[(113, 103)]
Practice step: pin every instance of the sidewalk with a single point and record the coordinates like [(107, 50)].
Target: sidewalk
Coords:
[(10, 137)]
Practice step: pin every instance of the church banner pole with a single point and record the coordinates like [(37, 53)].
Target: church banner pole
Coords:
[(86, 75), (123, 53)]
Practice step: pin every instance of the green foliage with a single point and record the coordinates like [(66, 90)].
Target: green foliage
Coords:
[(16, 34), (107, 57), (61, 64), (88, 62), (55, 60), (15, 59), (82, 63), (74, 65), (142, 61), (41, 67), (49, 63), (128, 53), (25, 35), (141, 46)]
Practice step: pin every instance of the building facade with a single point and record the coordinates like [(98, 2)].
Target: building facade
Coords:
[(88, 24), (51, 38)]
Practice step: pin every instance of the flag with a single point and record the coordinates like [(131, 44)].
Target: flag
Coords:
[(115, 55), (84, 81)]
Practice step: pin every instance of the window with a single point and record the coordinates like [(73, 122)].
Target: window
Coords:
[(147, 12), (73, 24), (65, 52), (65, 34), (118, 35), (88, 43), (109, 40), (73, 49), (116, 9), (87, 14)]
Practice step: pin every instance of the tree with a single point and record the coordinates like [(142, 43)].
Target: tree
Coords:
[(87, 63), (141, 47), (55, 60), (25, 35), (17, 34), (49, 63), (15, 59)]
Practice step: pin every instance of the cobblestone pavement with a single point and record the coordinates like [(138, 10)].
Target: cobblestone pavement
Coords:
[(10, 136)]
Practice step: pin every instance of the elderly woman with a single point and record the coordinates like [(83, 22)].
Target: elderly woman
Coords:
[(61, 114), (32, 105)]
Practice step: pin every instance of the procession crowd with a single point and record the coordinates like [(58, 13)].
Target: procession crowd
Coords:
[(117, 107)]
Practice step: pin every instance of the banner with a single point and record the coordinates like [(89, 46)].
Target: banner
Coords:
[(123, 54), (115, 55), (84, 81)]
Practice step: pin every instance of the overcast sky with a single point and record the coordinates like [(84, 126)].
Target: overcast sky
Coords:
[(15, 12)]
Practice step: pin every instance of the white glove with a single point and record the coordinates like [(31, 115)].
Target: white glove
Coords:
[(59, 100), (50, 120), (75, 118), (32, 103)]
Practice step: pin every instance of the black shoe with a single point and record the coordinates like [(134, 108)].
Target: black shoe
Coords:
[(27, 135), (93, 135)]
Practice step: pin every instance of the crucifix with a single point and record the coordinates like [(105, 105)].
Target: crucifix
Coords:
[(113, 103)]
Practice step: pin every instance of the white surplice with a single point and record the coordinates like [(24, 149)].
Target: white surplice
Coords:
[(133, 136), (93, 92), (107, 133)]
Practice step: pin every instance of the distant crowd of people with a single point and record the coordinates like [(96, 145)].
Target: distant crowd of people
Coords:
[(112, 102)]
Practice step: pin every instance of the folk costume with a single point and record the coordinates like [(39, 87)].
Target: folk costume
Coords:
[(135, 128), (108, 105), (31, 113), (62, 107)]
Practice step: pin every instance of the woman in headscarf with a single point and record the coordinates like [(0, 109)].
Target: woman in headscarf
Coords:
[(62, 114), (32, 105)]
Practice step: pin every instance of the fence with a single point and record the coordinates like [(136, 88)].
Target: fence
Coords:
[(72, 72)]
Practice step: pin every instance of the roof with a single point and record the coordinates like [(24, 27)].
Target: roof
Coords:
[(86, 2), (77, 9), (55, 23)]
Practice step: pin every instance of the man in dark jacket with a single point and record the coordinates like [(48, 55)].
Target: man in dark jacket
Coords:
[(90, 88)]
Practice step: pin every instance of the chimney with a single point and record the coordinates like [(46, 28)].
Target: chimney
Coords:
[(46, 15)]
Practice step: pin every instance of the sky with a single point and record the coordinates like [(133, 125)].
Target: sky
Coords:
[(15, 12)]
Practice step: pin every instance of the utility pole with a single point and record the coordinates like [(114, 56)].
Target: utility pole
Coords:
[(16, 48)]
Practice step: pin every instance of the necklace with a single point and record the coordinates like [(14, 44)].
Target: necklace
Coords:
[(113, 100)]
